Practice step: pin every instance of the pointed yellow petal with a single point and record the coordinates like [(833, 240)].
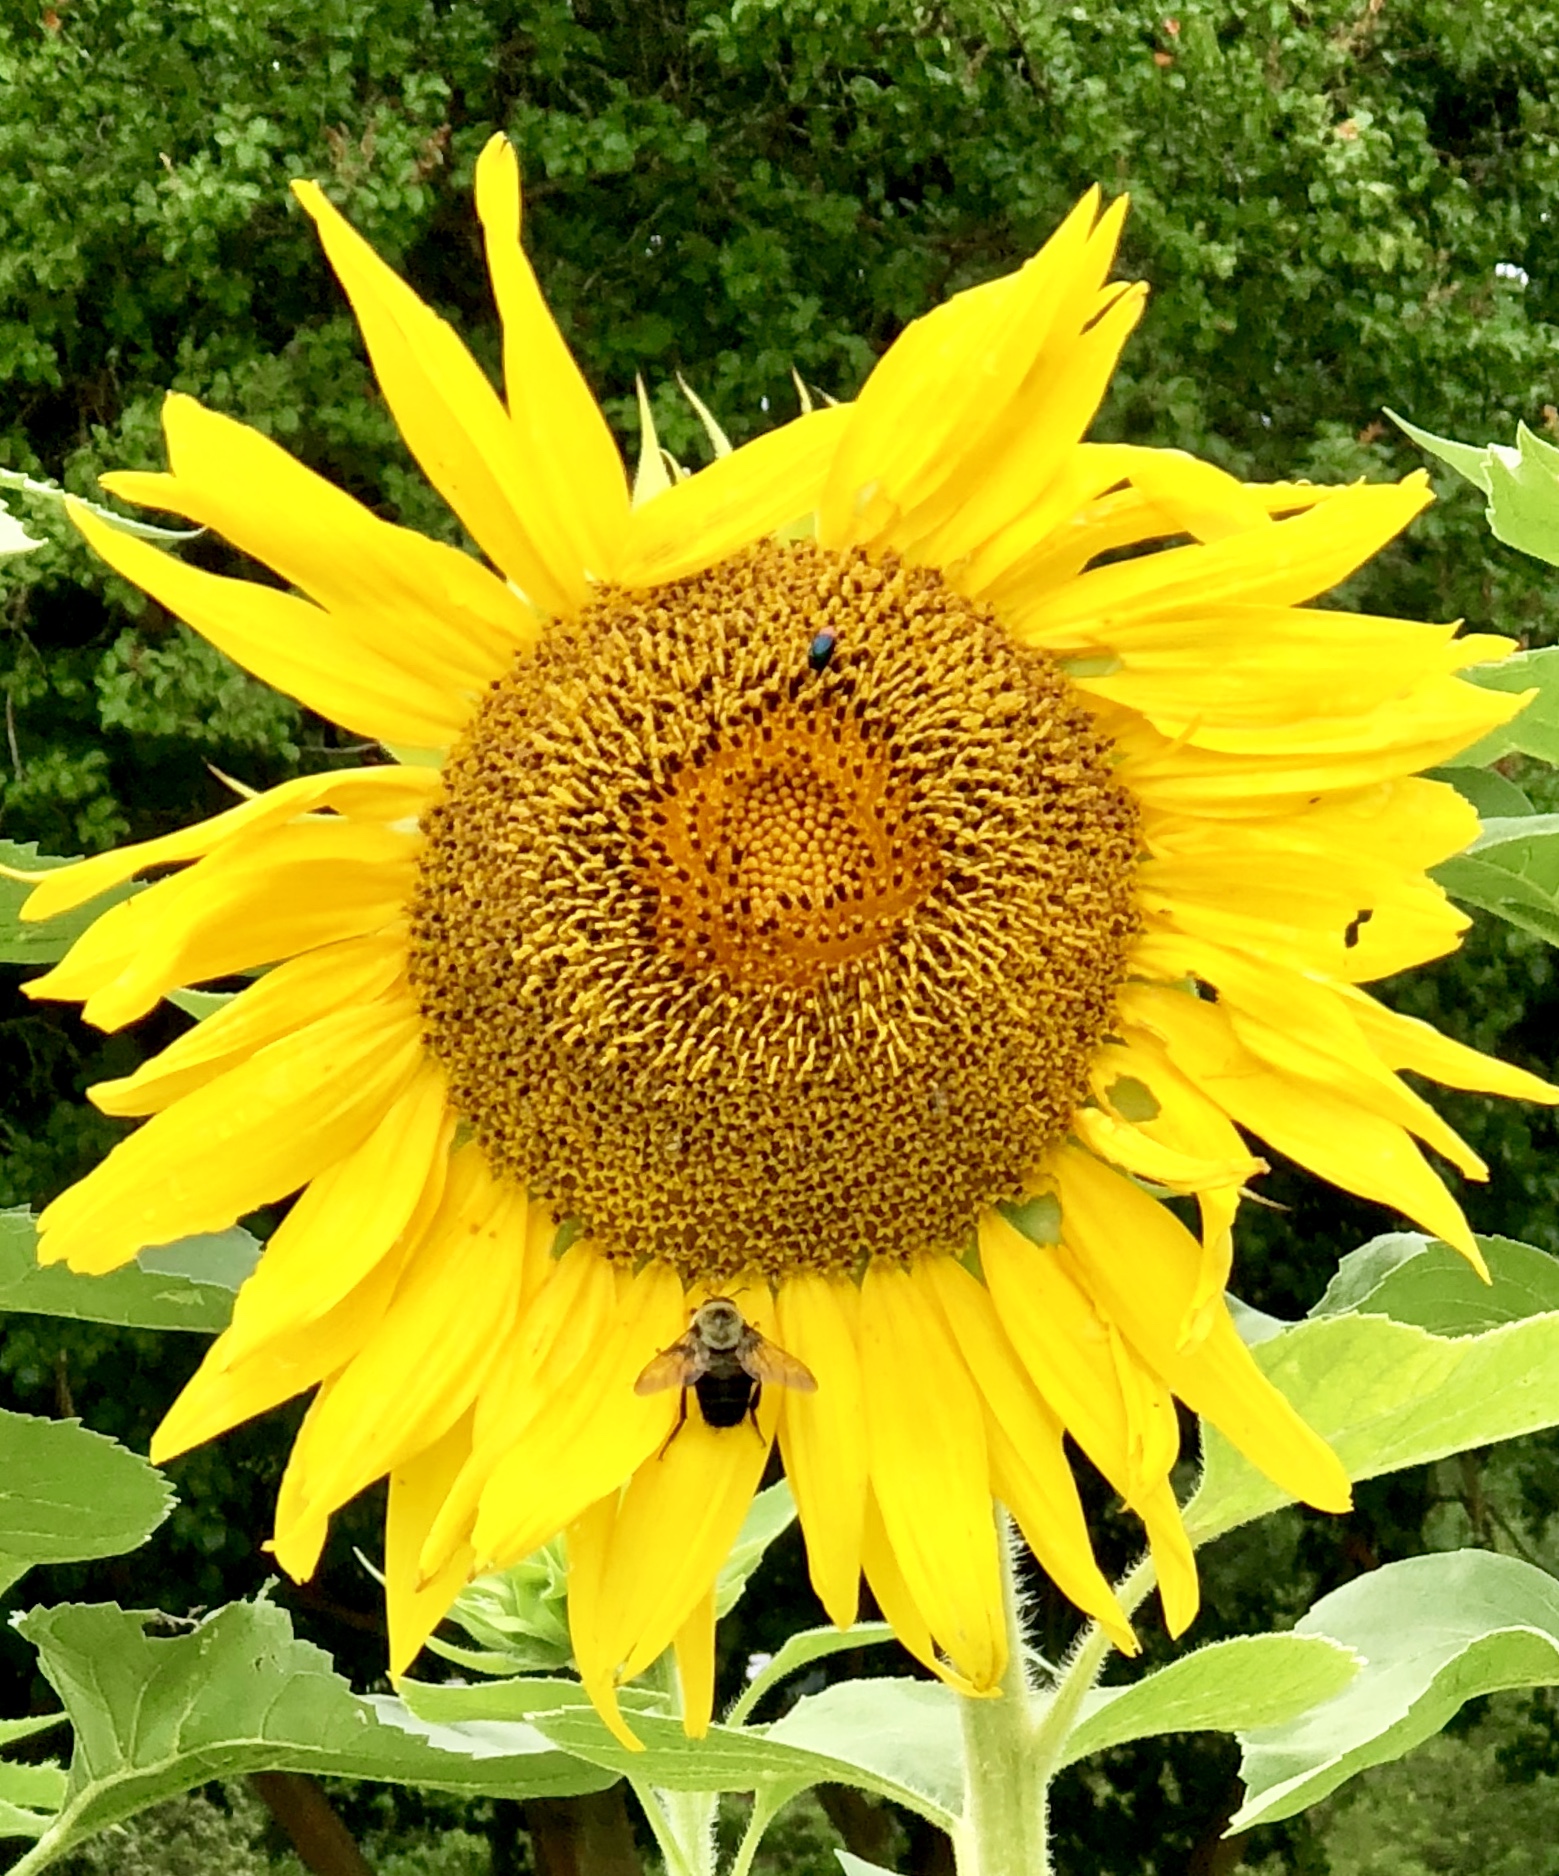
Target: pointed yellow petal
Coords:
[(318, 881), (576, 468), (1143, 1263), (590, 1436), (352, 1216), (930, 1469), (1284, 566), (823, 1435), (679, 1518), (898, 1605), (1174, 1561), (695, 1645), (283, 1001), (1060, 1338), (421, 605), (427, 1356), (251, 1136), (1329, 1133), (589, 1543), (773, 480), (451, 418), (385, 795), (949, 390), (1405, 1042), (1029, 1470), (225, 1391), (417, 1486), (293, 645)]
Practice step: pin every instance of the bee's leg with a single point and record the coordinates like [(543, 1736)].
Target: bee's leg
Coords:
[(752, 1411), (681, 1423)]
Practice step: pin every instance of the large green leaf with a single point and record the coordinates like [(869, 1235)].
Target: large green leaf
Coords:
[(157, 1714), (861, 1733), (1386, 1395), (48, 941), (1535, 732), (1511, 870), (188, 1285), (1413, 1278), (1231, 1686), (1433, 1632), (1521, 483), (67, 1494)]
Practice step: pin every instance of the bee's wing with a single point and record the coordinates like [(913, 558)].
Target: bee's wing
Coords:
[(772, 1366), (677, 1366)]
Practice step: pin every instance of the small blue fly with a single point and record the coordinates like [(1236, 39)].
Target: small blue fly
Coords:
[(821, 650)]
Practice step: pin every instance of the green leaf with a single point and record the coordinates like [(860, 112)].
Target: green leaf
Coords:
[(200, 1003), (1524, 496), (905, 1734), (1535, 731), (1467, 459), (1417, 1279), (156, 1715), (1490, 793), (1511, 870), (799, 1651), (67, 1494), (14, 538), (48, 941), (1433, 1632), (1231, 1686), (858, 1866), (822, 1740), (771, 1513), (51, 492), (1386, 1394), (187, 1285)]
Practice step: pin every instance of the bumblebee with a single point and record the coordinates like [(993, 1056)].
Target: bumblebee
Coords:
[(726, 1363)]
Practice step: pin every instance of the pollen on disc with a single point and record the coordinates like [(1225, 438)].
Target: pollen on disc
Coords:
[(745, 958)]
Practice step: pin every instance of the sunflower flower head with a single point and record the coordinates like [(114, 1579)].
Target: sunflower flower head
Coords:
[(858, 881)]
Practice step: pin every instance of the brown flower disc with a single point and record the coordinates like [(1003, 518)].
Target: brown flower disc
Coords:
[(772, 917)]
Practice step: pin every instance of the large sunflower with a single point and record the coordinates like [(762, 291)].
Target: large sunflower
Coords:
[(856, 881)]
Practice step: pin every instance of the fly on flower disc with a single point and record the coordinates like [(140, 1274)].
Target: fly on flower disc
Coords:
[(725, 1361)]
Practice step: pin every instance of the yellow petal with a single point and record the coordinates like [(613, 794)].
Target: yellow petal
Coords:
[(577, 470), (592, 1434), (415, 1607), (356, 1213), (1061, 1339), (1028, 1465), (1283, 566), (224, 1392), (898, 1605), (251, 1136), (384, 795), (925, 1432), (436, 612), (773, 480), (1143, 1263), (1174, 1561), (952, 381), (823, 1435), (283, 1001), (695, 1645), (1330, 1134), (1125, 1146), (286, 890), (427, 1356), (453, 423), (1405, 1042), (679, 1518), (589, 1543), (293, 645)]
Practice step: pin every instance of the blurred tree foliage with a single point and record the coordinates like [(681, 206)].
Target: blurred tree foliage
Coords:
[(1339, 205)]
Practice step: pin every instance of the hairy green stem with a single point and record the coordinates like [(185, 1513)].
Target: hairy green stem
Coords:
[(1003, 1828)]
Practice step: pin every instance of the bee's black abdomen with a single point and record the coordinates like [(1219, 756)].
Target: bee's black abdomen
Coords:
[(726, 1400)]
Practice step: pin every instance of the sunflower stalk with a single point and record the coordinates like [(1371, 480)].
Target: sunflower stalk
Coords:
[(683, 1822), (1004, 1826)]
